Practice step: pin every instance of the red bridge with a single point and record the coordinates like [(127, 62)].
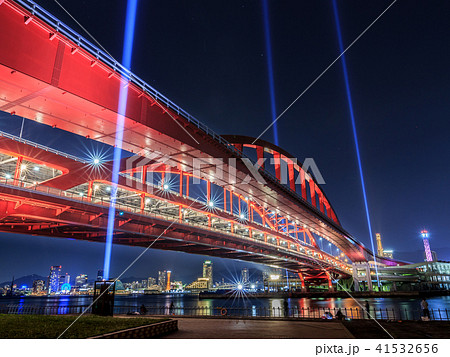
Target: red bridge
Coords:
[(201, 192)]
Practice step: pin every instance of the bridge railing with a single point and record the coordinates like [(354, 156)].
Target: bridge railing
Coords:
[(125, 73), (352, 313), (41, 147)]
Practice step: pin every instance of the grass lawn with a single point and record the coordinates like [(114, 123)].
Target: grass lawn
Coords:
[(41, 326)]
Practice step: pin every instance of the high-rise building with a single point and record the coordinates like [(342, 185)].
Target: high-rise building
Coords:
[(53, 279), (100, 275), (38, 287), (64, 279), (168, 280), (208, 272), (151, 281), (380, 251), (244, 276), (81, 280), (379, 245), (426, 244), (162, 279)]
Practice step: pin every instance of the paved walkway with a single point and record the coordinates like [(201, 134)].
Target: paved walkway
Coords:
[(230, 328)]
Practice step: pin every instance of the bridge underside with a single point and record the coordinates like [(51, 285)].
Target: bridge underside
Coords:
[(33, 213)]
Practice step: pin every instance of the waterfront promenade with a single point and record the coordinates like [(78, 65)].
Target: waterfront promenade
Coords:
[(244, 328), (319, 329)]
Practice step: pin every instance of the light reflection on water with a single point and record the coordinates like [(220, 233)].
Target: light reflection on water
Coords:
[(191, 301)]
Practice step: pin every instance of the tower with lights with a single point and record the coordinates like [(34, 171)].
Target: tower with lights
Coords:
[(379, 245), (426, 244)]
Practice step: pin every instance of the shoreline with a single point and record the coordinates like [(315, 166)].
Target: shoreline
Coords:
[(332, 294), (276, 295)]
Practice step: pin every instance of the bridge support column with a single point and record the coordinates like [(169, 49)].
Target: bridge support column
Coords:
[(90, 190), (277, 164), (142, 202), (312, 189), (303, 183), (260, 156), (321, 203), (225, 199), (355, 277), (302, 279), (369, 278), (17, 170), (291, 172), (330, 283), (144, 174)]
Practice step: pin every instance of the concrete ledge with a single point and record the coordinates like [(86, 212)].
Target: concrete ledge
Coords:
[(148, 331), (249, 318)]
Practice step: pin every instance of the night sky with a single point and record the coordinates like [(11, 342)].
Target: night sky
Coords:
[(209, 57)]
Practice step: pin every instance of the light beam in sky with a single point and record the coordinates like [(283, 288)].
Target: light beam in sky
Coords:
[(122, 105), (270, 70), (355, 136)]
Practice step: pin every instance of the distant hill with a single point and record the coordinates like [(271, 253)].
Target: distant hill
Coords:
[(25, 280)]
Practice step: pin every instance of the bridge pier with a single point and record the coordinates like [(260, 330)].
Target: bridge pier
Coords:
[(302, 279), (330, 283), (361, 272)]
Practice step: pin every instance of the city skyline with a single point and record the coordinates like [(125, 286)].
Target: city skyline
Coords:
[(159, 259), (60, 283)]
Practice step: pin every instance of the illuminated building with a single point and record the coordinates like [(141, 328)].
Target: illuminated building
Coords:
[(168, 280), (67, 278), (208, 272), (162, 279), (244, 276), (100, 275), (422, 276), (53, 279), (426, 244), (152, 289), (81, 280), (176, 286), (379, 245), (380, 251), (64, 279), (38, 287), (276, 282), (201, 284), (389, 254), (151, 281)]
